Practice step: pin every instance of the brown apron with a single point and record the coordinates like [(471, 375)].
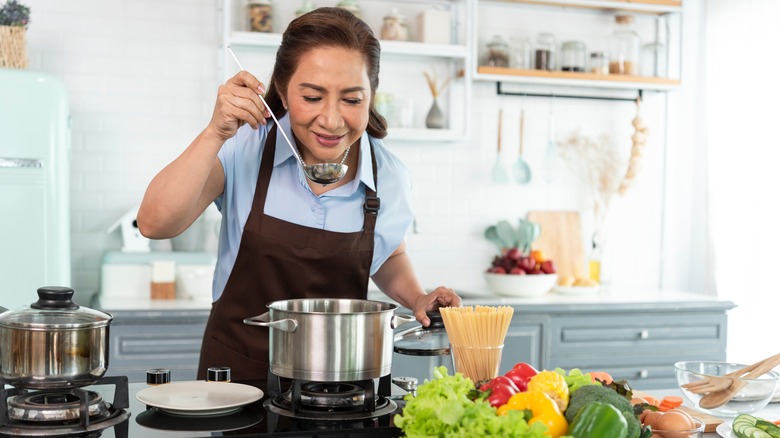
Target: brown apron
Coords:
[(279, 260)]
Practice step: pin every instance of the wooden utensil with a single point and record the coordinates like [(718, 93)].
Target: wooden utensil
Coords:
[(719, 398), (719, 383), (561, 240), (499, 173)]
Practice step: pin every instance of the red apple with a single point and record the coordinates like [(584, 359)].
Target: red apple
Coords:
[(527, 263), (497, 270), (548, 267), (517, 271), (514, 254), (535, 271)]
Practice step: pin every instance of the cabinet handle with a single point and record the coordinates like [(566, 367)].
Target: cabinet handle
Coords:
[(643, 374), (20, 162), (644, 334)]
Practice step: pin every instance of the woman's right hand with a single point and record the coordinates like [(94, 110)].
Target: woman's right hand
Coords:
[(238, 103)]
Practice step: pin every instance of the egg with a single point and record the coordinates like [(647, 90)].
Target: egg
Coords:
[(671, 423), (649, 418)]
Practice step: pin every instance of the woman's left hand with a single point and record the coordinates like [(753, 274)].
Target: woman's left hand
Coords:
[(440, 297)]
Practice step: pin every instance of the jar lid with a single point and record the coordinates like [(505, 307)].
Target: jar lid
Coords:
[(573, 45), (54, 309), (497, 40), (624, 19), (424, 341)]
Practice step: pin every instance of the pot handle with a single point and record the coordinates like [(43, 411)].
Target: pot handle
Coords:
[(285, 325), (399, 320)]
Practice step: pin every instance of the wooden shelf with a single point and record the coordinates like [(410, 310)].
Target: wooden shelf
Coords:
[(659, 7), (565, 78)]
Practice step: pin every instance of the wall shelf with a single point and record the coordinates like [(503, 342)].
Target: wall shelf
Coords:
[(564, 78), (659, 7)]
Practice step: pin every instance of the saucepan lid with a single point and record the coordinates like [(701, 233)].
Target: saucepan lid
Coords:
[(424, 341)]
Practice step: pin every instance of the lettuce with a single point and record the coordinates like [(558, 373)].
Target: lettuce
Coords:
[(575, 379), (443, 407)]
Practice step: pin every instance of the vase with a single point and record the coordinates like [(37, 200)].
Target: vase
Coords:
[(13, 48), (435, 117)]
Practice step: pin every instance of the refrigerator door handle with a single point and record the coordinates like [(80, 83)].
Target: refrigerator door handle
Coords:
[(20, 162)]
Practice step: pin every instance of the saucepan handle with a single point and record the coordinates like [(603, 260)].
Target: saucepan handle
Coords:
[(399, 320), (285, 325)]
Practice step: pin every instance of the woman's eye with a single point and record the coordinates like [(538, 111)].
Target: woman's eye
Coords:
[(354, 101), (312, 99)]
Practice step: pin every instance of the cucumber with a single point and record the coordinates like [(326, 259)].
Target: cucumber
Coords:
[(771, 428)]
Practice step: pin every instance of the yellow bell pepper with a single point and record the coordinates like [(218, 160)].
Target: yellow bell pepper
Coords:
[(552, 384), (543, 409)]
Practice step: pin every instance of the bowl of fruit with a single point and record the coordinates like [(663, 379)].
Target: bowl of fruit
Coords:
[(514, 274)]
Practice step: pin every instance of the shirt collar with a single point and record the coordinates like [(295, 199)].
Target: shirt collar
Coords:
[(365, 171)]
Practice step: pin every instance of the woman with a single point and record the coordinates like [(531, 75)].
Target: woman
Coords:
[(284, 236)]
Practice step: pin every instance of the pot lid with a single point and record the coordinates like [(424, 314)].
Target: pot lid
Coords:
[(54, 309), (424, 341)]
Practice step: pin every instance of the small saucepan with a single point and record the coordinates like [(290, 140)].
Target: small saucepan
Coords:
[(53, 343)]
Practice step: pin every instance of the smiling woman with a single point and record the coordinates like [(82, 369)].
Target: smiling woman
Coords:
[(284, 236)]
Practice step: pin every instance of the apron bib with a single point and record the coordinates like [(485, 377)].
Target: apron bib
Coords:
[(279, 260)]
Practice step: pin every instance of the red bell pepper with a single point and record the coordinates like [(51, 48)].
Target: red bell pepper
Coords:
[(501, 389), (520, 374)]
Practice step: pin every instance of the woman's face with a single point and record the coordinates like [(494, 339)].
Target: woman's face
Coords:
[(328, 100)]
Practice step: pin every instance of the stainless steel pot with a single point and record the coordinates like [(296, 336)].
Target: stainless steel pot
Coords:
[(330, 340), (53, 343)]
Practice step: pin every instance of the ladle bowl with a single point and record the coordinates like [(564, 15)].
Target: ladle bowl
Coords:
[(321, 173)]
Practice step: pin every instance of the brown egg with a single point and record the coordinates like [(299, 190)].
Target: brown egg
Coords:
[(670, 423), (650, 418)]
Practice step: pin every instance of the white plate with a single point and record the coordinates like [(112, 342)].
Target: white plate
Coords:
[(577, 290), (200, 397), (724, 430)]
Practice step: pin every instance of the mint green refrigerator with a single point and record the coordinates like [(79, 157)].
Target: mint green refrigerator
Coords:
[(35, 143)]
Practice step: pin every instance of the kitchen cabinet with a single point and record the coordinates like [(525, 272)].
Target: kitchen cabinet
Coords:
[(403, 88), (638, 339), (590, 21)]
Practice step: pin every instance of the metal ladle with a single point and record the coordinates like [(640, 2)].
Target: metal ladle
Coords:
[(322, 173)]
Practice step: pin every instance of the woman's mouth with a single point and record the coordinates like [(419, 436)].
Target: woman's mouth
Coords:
[(328, 140)]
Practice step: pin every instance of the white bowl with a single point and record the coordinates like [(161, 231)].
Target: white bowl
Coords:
[(510, 285)]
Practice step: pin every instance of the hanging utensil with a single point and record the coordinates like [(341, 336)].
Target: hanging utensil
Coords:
[(499, 173), (322, 173), (551, 153), (521, 172)]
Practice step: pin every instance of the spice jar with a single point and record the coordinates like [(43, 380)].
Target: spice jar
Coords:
[(351, 6), (260, 16), (599, 63), (521, 53), (305, 8), (624, 47), (394, 27), (544, 53), (573, 56), (498, 52)]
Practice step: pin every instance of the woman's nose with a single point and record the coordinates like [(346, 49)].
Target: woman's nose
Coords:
[(330, 116)]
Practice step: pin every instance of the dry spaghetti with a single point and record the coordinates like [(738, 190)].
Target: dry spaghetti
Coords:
[(476, 337)]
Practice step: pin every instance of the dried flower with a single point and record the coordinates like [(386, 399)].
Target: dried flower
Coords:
[(13, 13), (433, 85)]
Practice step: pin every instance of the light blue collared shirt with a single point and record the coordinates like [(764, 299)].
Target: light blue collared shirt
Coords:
[(290, 198)]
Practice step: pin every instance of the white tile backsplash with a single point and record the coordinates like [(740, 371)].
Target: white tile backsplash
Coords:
[(142, 79)]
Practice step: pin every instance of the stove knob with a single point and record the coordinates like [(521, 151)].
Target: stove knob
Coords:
[(158, 376), (218, 374)]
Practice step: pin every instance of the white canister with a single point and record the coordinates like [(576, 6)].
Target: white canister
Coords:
[(435, 26)]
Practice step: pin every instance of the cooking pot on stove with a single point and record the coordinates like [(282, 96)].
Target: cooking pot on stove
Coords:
[(53, 343), (330, 340)]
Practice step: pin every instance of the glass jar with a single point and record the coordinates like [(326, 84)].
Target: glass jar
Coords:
[(573, 56), (521, 53), (498, 52), (544, 52), (599, 63), (260, 16), (305, 8), (624, 47), (653, 62), (351, 6), (394, 27)]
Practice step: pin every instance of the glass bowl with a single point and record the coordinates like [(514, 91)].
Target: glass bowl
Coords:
[(530, 285), (754, 396), (696, 432)]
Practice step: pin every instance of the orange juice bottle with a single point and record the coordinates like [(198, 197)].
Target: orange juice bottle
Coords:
[(594, 262)]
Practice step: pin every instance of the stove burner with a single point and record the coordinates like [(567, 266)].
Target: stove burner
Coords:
[(283, 407), (55, 406), (329, 395)]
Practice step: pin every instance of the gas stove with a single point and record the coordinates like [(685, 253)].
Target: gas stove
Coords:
[(262, 418)]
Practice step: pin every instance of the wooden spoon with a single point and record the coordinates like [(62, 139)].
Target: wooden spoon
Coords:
[(719, 398), (719, 383)]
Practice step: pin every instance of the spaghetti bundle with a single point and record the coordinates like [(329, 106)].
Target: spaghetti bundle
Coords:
[(476, 337)]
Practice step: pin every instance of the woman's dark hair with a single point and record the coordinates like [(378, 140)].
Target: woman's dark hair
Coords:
[(326, 27)]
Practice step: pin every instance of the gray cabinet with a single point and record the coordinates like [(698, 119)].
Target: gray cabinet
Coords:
[(140, 340)]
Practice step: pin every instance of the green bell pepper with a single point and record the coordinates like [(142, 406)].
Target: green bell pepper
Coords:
[(598, 420)]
